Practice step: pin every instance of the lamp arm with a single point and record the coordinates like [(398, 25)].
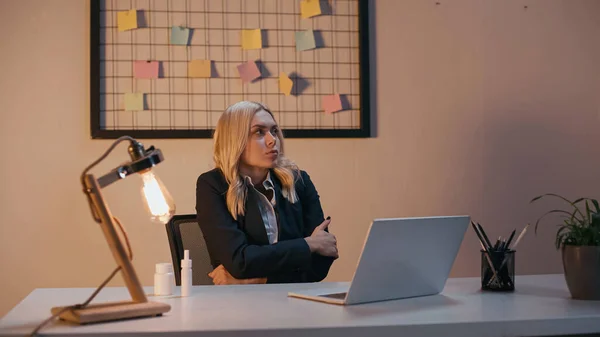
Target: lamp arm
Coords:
[(86, 190), (142, 162), (115, 243), (112, 147), (116, 174)]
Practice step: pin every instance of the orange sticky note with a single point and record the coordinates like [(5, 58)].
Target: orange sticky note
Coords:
[(332, 103), (310, 8), (251, 39), (285, 84), (199, 68), (145, 69), (127, 20)]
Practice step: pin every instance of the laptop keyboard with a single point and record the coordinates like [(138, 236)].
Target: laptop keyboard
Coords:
[(340, 296)]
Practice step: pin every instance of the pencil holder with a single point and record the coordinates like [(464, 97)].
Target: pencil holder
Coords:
[(500, 274)]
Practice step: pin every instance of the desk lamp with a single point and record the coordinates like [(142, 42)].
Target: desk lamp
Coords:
[(160, 206)]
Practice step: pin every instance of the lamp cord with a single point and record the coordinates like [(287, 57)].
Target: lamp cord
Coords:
[(85, 304), (108, 151)]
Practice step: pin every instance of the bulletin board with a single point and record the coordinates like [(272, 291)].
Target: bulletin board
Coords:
[(169, 68)]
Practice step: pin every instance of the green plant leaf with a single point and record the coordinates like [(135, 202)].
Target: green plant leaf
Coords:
[(587, 210), (560, 235), (537, 198), (595, 202), (560, 197), (581, 229), (550, 212), (559, 241), (573, 216), (595, 222)]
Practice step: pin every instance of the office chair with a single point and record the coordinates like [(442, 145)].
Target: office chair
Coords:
[(184, 233)]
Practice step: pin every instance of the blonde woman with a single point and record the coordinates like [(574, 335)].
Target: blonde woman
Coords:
[(260, 215)]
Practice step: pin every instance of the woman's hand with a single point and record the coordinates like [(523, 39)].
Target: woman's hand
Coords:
[(322, 242), (221, 276)]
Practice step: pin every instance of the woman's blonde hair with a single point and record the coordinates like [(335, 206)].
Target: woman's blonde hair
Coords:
[(231, 137)]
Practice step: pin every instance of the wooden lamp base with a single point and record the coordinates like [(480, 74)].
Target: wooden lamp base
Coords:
[(111, 311)]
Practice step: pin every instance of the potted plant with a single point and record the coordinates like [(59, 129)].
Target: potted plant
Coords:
[(578, 238)]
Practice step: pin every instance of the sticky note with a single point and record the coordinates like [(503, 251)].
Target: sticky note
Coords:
[(285, 84), (199, 68), (251, 39), (332, 103), (145, 69), (180, 35), (134, 101), (310, 8), (248, 71), (127, 20), (305, 40)]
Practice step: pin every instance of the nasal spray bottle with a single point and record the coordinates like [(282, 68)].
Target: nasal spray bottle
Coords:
[(186, 274)]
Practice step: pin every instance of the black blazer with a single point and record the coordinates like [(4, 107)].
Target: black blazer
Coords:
[(242, 246)]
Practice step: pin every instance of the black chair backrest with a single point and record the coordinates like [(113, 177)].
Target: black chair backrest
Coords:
[(184, 233)]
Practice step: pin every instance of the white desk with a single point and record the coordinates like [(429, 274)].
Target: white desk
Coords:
[(540, 306)]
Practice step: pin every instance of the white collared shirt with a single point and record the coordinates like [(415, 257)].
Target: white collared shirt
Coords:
[(266, 207)]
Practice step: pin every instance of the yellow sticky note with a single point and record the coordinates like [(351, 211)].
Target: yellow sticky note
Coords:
[(251, 39), (285, 84), (310, 8), (127, 20), (134, 101), (199, 68)]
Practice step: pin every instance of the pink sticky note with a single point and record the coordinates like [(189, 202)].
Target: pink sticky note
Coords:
[(248, 71), (332, 103), (145, 69)]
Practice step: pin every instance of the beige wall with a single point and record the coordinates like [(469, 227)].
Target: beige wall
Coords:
[(481, 105)]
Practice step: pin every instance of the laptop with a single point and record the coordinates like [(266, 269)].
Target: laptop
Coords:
[(401, 258)]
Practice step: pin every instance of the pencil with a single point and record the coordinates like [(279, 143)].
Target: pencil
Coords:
[(520, 237)]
